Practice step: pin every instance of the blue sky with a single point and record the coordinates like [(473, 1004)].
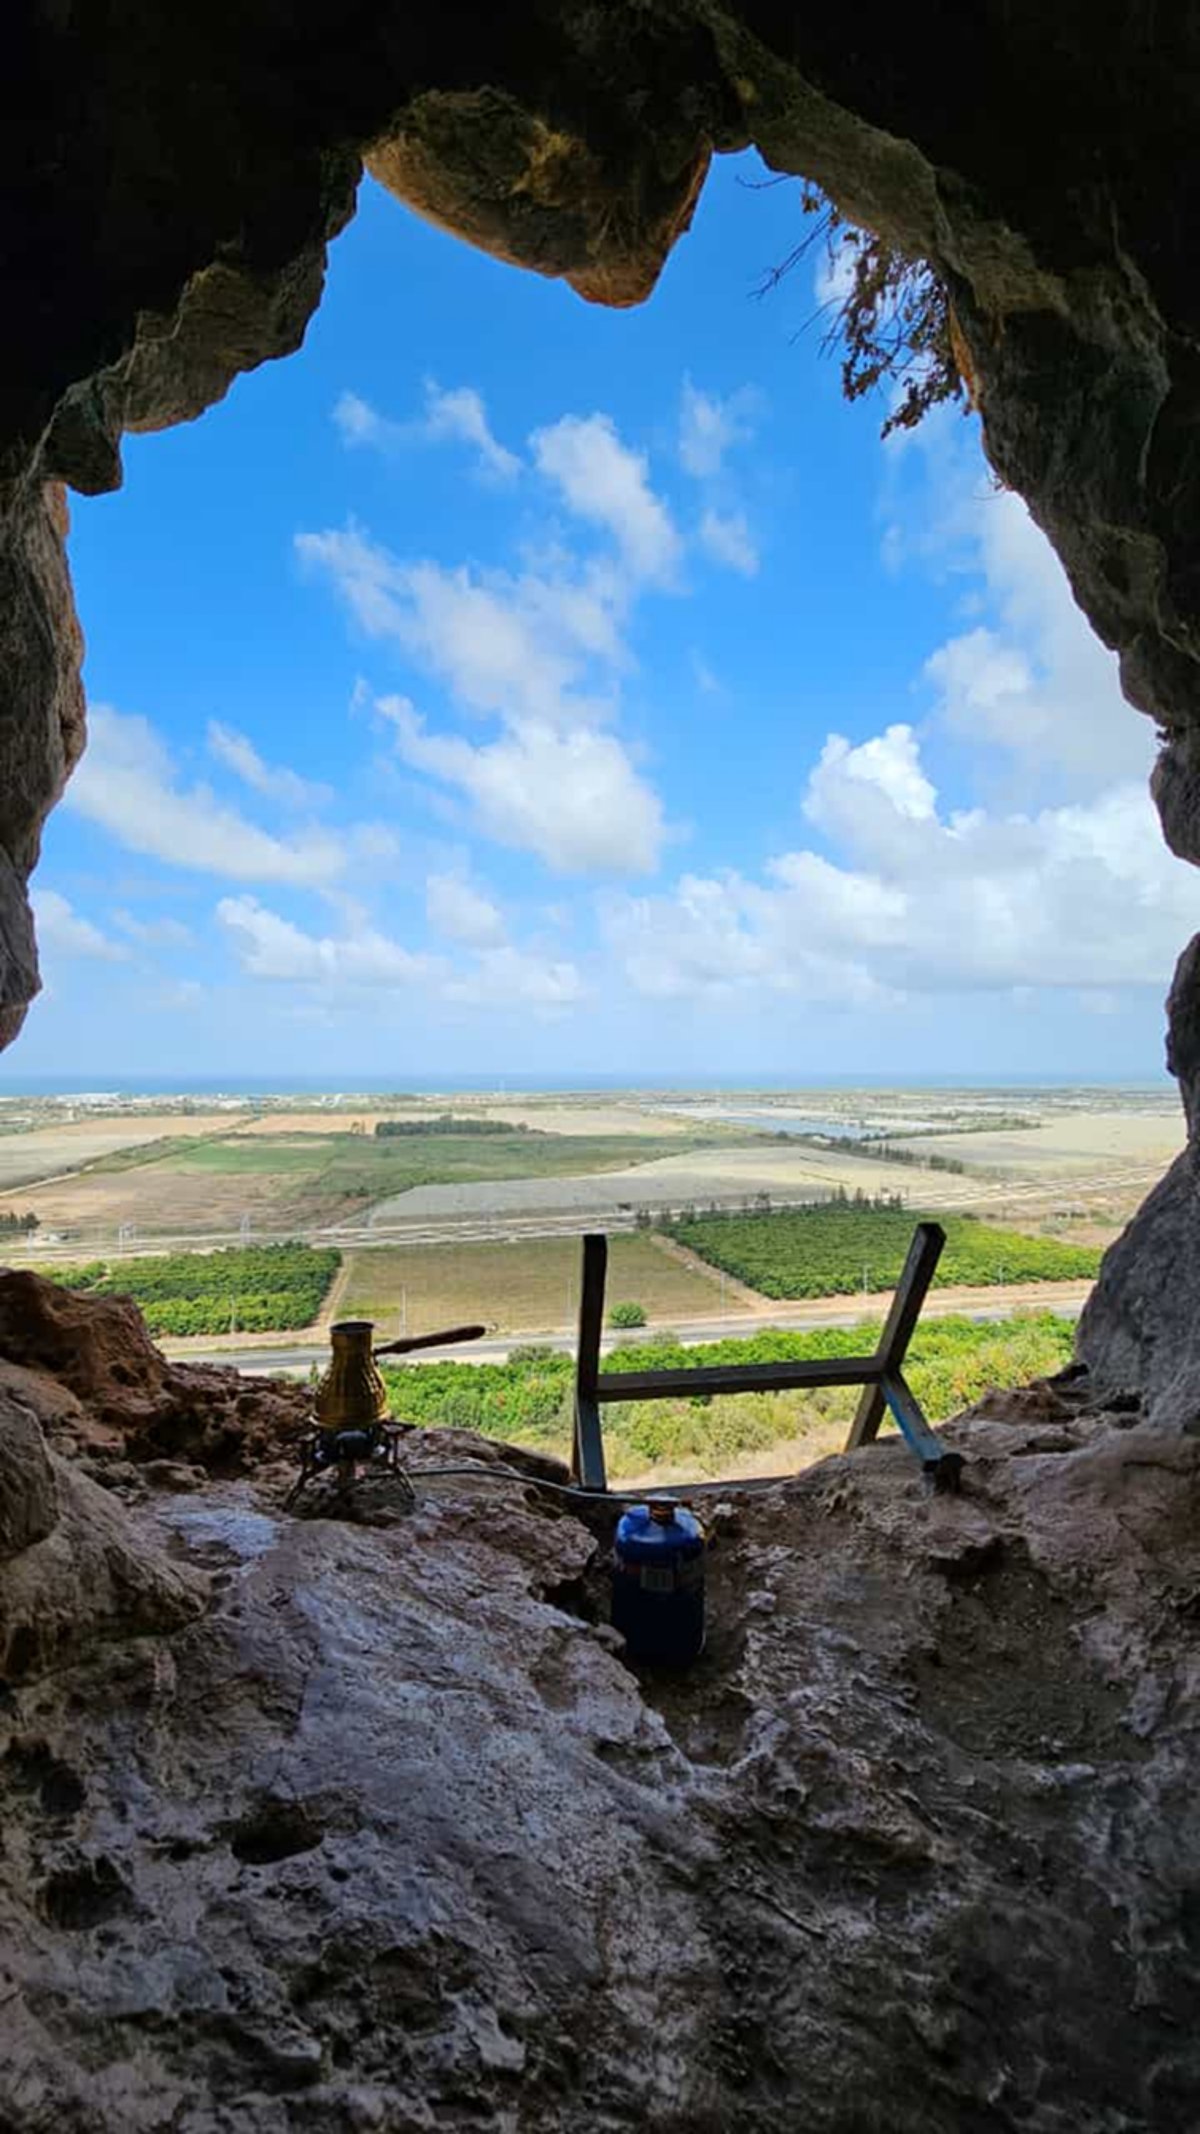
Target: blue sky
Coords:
[(504, 685)]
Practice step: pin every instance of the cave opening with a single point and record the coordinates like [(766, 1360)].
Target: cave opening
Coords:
[(373, 1828), (609, 659)]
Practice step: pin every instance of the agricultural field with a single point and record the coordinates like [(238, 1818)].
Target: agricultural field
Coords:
[(198, 1170), (951, 1363), (840, 1249), (202, 1183), (256, 1289), (531, 1284)]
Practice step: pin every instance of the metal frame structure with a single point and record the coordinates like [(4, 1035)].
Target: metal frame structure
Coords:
[(881, 1375)]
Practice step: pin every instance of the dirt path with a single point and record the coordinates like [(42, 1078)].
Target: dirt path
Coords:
[(727, 1285), (333, 1296)]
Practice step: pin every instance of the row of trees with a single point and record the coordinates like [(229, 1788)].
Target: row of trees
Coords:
[(445, 1123)]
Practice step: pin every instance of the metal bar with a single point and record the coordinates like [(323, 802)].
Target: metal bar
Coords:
[(911, 1292), (588, 1446), (587, 1452), (738, 1378), (940, 1466)]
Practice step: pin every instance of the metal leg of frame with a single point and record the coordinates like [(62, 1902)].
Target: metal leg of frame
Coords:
[(588, 1449), (911, 1292)]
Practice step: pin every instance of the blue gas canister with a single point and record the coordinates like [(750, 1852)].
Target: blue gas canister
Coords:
[(658, 1584)]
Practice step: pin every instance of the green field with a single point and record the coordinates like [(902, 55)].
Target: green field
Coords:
[(255, 1288), (530, 1284), (842, 1248), (951, 1363), (305, 1177)]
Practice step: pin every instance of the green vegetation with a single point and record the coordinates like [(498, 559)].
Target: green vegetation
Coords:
[(445, 1123), (627, 1315), (842, 1246), (304, 1175), (255, 1288), (527, 1401), (14, 1225)]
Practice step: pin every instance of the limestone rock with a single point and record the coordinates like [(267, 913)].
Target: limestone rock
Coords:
[(28, 1495), (41, 717), (122, 1394), (1138, 1329), (502, 177), (88, 1574), (395, 1838)]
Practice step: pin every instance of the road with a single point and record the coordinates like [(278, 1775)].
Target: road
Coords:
[(265, 1362)]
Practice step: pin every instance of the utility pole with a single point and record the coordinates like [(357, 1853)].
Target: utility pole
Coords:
[(403, 1312)]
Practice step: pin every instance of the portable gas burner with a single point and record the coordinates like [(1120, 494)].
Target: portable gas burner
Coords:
[(353, 1435)]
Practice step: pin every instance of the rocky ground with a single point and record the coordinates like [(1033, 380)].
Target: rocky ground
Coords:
[(356, 1817)]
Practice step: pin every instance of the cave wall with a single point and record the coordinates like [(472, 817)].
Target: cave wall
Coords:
[(174, 176)]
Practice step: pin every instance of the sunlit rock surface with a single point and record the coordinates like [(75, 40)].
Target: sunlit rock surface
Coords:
[(391, 1836)]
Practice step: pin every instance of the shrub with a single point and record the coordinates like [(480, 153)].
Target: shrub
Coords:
[(626, 1315)]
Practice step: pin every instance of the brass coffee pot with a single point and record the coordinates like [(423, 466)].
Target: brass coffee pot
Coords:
[(352, 1395)]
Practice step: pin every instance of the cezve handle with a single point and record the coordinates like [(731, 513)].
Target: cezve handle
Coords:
[(430, 1341)]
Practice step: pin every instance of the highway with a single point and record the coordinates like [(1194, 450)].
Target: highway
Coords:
[(269, 1362)]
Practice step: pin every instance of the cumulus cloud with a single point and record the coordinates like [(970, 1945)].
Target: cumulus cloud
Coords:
[(515, 646), (128, 785), (460, 912), (335, 968), (542, 650), (62, 931), (459, 414), (1079, 896), (1037, 684), (603, 480), (573, 798), (273, 780), (726, 537), (271, 947), (709, 426)]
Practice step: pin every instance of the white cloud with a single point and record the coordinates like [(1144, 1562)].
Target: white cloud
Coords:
[(605, 482), (727, 538), (271, 947), (1075, 897), (575, 799), (507, 977), (458, 414), (1041, 687), (154, 933), (833, 277), (716, 937), (513, 646), (710, 426), (361, 960), (62, 931), (274, 781), (459, 912), (127, 784)]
